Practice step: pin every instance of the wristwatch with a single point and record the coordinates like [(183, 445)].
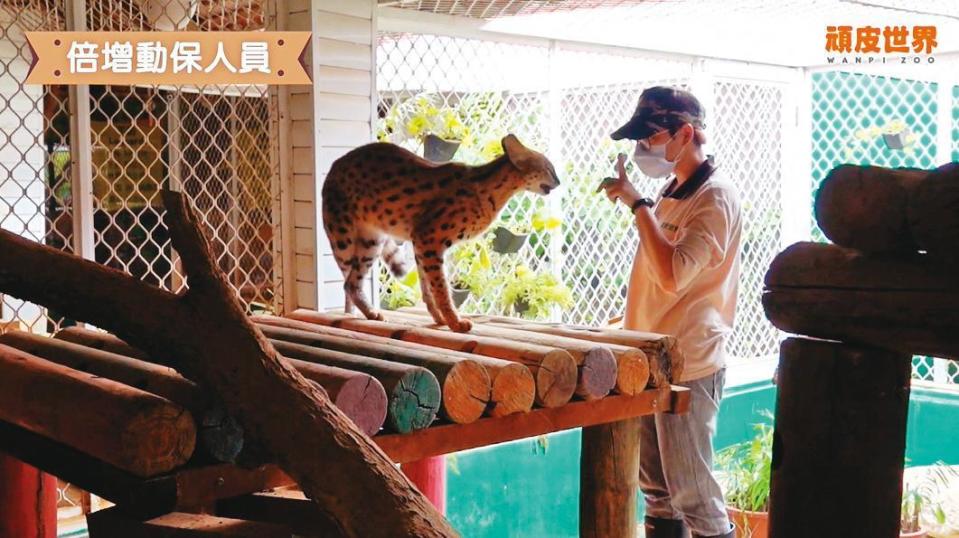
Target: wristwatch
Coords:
[(648, 202)]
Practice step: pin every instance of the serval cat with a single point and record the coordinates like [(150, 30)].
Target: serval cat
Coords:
[(380, 195)]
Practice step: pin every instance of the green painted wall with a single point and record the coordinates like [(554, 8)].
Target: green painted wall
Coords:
[(530, 488)]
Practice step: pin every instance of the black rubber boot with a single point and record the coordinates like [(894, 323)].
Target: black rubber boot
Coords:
[(730, 534), (665, 528)]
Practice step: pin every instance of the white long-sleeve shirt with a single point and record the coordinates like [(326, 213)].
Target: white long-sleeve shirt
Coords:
[(702, 219)]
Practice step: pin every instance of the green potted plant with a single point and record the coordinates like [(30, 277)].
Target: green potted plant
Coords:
[(912, 506), (400, 292), (532, 295), (745, 470), (896, 135), (473, 271), (509, 239), (923, 500), (421, 118)]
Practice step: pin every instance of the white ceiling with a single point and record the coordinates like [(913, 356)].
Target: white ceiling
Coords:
[(780, 32)]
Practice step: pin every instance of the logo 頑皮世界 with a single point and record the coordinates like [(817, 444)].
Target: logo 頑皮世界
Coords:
[(874, 45)]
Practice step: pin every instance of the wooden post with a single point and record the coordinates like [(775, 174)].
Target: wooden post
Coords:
[(28, 499), (840, 440), (609, 480), (429, 476)]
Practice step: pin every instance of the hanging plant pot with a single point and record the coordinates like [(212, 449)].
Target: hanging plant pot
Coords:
[(460, 295), (438, 149), (506, 242), (896, 141)]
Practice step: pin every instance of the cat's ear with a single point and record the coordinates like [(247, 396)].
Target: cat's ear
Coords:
[(516, 152)]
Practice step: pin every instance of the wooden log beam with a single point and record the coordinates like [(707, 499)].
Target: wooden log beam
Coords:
[(866, 207), (105, 342), (207, 329), (596, 364), (413, 392), (907, 303), (85, 471), (281, 507), (465, 383), (554, 369), (840, 439), (219, 436), (127, 427), (191, 487), (360, 396), (660, 363), (447, 438), (113, 522), (609, 480), (184, 489), (933, 219), (513, 387), (875, 209)]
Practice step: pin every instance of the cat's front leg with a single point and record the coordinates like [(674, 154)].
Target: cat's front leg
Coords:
[(428, 298), (429, 260)]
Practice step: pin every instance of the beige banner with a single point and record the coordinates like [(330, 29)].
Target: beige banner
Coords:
[(173, 58)]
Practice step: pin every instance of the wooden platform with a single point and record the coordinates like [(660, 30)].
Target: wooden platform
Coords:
[(195, 487)]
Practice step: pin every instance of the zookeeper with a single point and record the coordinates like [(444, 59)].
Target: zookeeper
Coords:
[(684, 282)]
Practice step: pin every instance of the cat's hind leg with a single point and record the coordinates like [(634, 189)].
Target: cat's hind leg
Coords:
[(342, 247), (366, 248), (398, 264), (394, 257)]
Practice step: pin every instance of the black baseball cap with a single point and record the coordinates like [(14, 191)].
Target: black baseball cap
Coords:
[(662, 107)]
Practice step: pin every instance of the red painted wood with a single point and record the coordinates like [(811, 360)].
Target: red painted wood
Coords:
[(29, 500), (429, 476)]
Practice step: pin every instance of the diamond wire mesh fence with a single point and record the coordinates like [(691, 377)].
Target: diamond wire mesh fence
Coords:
[(565, 103), (34, 149), (851, 113), (747, 130), (955, 123), (215, 144)]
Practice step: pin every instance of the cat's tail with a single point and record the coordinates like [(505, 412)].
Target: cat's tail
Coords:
[(396, 259)]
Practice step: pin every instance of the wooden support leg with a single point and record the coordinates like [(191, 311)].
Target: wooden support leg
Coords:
[(840, 440), (429, 476), (28, 500), (609, 480)]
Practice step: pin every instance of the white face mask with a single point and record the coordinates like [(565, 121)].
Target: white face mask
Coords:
[(653, 161)]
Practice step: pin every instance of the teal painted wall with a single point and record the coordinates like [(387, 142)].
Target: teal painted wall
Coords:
[(932, 430), (843, 103), (530, 488)]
